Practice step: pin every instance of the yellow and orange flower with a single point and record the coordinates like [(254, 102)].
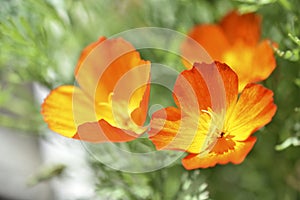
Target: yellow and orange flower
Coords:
[(236, 42), (111, 101), (212, 123)]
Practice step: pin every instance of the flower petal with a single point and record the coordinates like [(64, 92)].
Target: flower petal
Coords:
[(103, 132), (105, 63), (65, 108), (164, 127), (194, 91), (240, 57), (191, 93), (263, 60), (211, 38), (206, 86), (112, 72), (254, 109), (242, 27), (171, 130), (139, 114), (230, 83), (251, 64), (132, 92), (235, 156)]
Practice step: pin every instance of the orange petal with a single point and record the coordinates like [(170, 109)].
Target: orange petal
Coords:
[(263, 60), (65, 108), (242, 27), (240, 58), (223, 144), (230, 83), (206, 86), (164, 127), (139, 114), (171, 130), (112, 72), (195, 90), (252, 64), (211, 38), (98, 72), (200, 88), (235, 156), (103, 132), (254, 109), (190, 91), (132, 91)]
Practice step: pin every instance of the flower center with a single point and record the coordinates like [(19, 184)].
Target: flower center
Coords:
[(222, 134), (218, 140), (223, 144)]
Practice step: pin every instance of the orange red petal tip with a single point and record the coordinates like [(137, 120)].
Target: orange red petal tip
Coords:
[(213, 132), (103, 107), (235, 40)]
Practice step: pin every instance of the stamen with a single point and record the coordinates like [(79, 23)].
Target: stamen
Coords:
[(222, 134), (110, 97)]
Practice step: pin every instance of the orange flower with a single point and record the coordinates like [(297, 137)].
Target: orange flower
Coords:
[(211, 122), (111, 101), (234, 41)]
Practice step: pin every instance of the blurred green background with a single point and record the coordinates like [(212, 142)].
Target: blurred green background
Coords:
[(41, 40)]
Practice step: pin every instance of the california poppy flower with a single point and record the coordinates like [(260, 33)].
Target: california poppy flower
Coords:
[(236, 42), (111, 100), (212, 123)]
